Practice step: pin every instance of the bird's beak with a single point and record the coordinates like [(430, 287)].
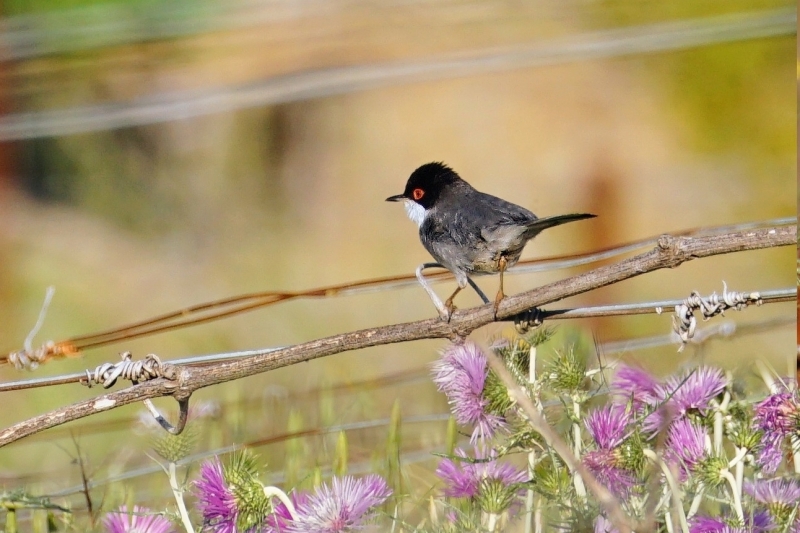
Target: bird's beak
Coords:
[(396, 198)]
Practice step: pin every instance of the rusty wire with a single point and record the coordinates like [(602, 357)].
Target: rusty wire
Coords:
[(216, 310)]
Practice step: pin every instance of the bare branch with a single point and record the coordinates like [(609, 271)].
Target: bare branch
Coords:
[(669, 253)]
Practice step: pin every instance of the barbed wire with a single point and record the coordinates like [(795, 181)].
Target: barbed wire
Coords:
[(298, 86), (210, 311), (670, 252), (684, 322), (103, 373), (726, 330)]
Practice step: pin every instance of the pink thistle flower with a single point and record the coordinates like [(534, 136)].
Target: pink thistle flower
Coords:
[(685, 445), (604, 465), (136, 521), (681, 393), (635, 385), (215, 500), (774, 491), (777, 416), (461, 374), (758, 522), (463, 478), (608, 425), (343, 505)]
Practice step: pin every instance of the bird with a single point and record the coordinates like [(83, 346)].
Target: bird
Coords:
[(468, 232)]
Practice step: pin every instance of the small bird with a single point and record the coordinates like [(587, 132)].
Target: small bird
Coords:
[(467, 231)]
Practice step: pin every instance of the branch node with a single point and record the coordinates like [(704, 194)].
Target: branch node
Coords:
[(673, 250)]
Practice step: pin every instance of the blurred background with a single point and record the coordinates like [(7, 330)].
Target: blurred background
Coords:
[(155, 155)]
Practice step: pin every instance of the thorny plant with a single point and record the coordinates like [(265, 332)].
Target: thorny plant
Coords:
[(689, 453)]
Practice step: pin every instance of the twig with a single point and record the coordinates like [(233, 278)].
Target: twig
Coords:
[(670, 253)]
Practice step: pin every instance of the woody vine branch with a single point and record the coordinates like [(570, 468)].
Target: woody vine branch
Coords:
[(670, 252)]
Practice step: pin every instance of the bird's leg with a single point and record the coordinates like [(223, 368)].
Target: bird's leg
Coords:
[(449, 303), (444, 312), (478, 290), (501, 264)]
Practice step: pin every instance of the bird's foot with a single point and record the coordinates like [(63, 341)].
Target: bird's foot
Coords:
[(528, 319), (449, 309), (497, 300)]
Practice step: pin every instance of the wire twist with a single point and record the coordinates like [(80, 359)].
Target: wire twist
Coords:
[(107, 374), (28, 359), (136, 372), (684, 323)]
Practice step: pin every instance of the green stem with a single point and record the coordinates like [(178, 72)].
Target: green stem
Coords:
[(11, 520), (492, 523), (677, 503), (178, 493), (737, 496), (580, 488), (529, 500), (269, 492)]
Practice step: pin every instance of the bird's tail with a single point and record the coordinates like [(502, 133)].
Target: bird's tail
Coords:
[(540, 224)]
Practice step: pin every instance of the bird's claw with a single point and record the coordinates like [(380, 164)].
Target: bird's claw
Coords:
[(447, 313)]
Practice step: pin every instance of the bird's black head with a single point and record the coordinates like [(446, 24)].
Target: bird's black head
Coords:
[(426, 184)]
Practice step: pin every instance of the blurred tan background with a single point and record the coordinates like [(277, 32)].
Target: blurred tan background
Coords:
[(159, 155)]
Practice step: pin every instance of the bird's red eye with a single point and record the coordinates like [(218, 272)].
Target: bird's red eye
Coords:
[(418, 193)]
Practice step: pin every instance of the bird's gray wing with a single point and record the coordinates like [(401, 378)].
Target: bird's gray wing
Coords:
[(504, 222)]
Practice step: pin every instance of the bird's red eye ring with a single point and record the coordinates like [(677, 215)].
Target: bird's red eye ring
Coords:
[(418, 193)]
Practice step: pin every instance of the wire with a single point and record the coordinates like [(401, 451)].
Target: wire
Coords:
[(770, 296), (325, 82), (210, 311)]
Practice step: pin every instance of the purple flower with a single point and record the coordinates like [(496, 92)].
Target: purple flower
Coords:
[(215, 500), (692, 390), (136, 521), (780, 497), (605, 466), (774, 491), (463, 478), (706, 524), (342, 506), (461, 374), (776, 417), (604, 525), (608, 425), (635, 385), (685, 445), (756, 523), (769, 453), (777, 413)]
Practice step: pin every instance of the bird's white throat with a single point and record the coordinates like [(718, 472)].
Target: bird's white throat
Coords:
[(415, 212)]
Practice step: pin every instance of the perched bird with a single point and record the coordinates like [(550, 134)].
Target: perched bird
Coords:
[(467, 231)]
